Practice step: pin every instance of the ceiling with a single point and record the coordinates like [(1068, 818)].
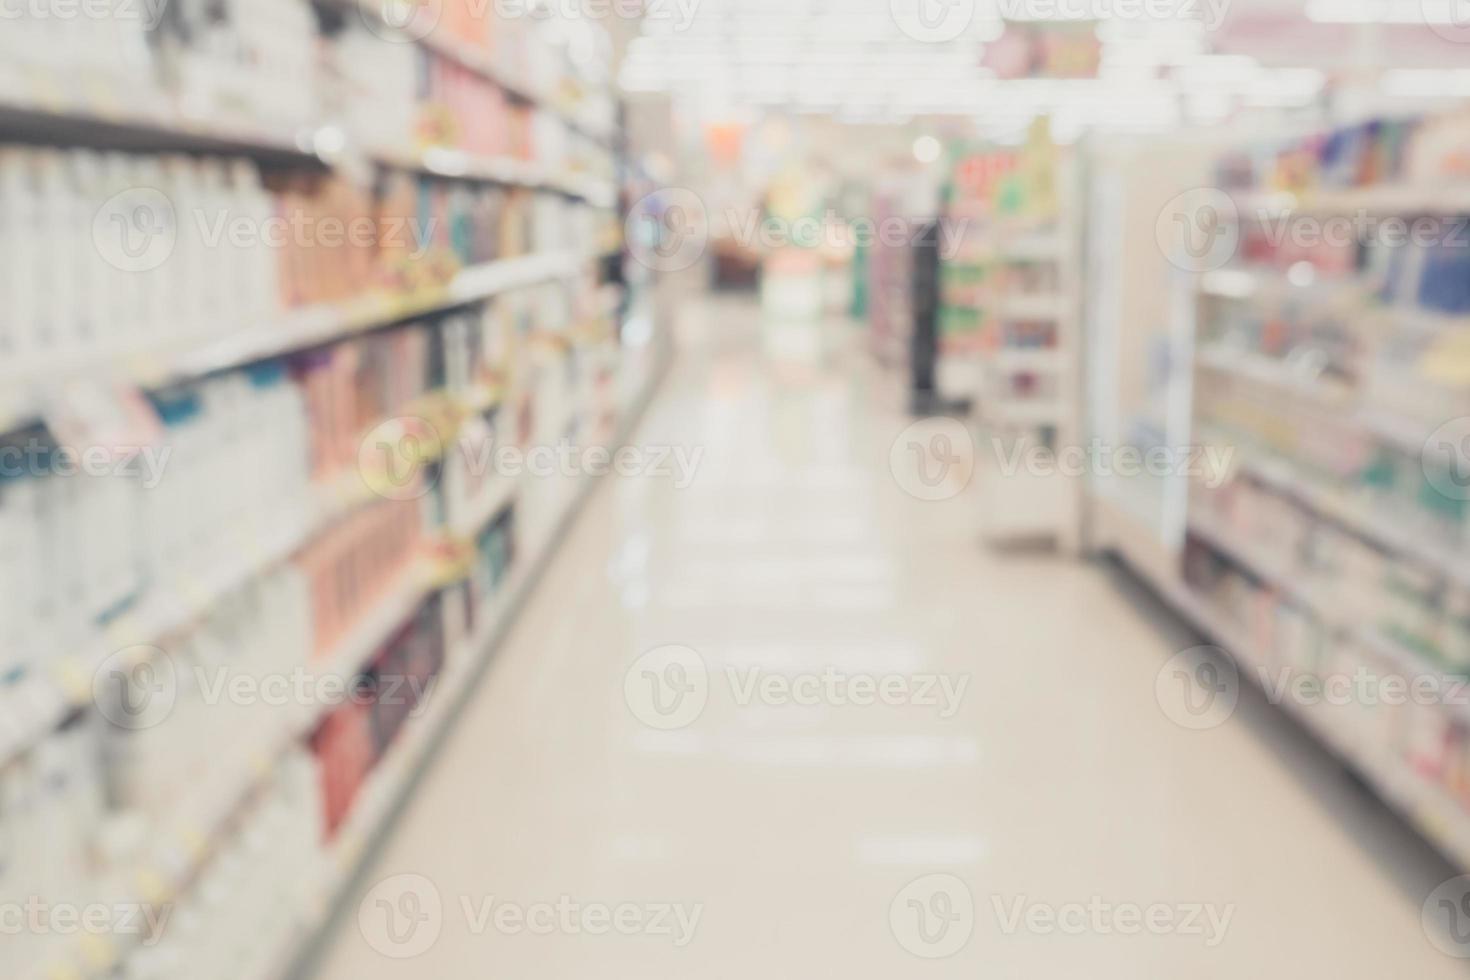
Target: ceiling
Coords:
[(1162, 63)]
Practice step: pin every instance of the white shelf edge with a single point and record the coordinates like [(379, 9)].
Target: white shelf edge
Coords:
[(294, 331)]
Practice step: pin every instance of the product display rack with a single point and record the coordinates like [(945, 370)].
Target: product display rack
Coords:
[(1015, 288), (1334, 548), (558, 351)]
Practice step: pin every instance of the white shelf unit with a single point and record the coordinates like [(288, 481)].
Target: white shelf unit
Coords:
[(183, 843), (1033, 502), (1330, 512), (1132, 186)]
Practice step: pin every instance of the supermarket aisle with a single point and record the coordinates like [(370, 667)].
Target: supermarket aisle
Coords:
[(561, 836)]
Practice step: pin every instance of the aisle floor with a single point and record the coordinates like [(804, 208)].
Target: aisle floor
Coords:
[(1055, 823)]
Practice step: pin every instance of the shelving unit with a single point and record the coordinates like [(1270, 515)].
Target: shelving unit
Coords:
[(556, 345), (1335, 547), (1021, 260)]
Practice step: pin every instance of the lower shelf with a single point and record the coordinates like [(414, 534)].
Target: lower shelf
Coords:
[(388, 792), (1437, 816)]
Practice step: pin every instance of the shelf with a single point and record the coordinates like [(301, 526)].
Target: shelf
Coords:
[(1026, 413), (187, 850), (460, 165), (1445, 197), (350, 655), (1273, 374), (501, 493), (1388, 534), (377, 803), (37, 707), (474, 59), (49, 696), (111, 123), (1032, 247), (295, 331), (1441, 819), (1039, 360), (1317, 599), (1275, 571), (1041, 306)]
